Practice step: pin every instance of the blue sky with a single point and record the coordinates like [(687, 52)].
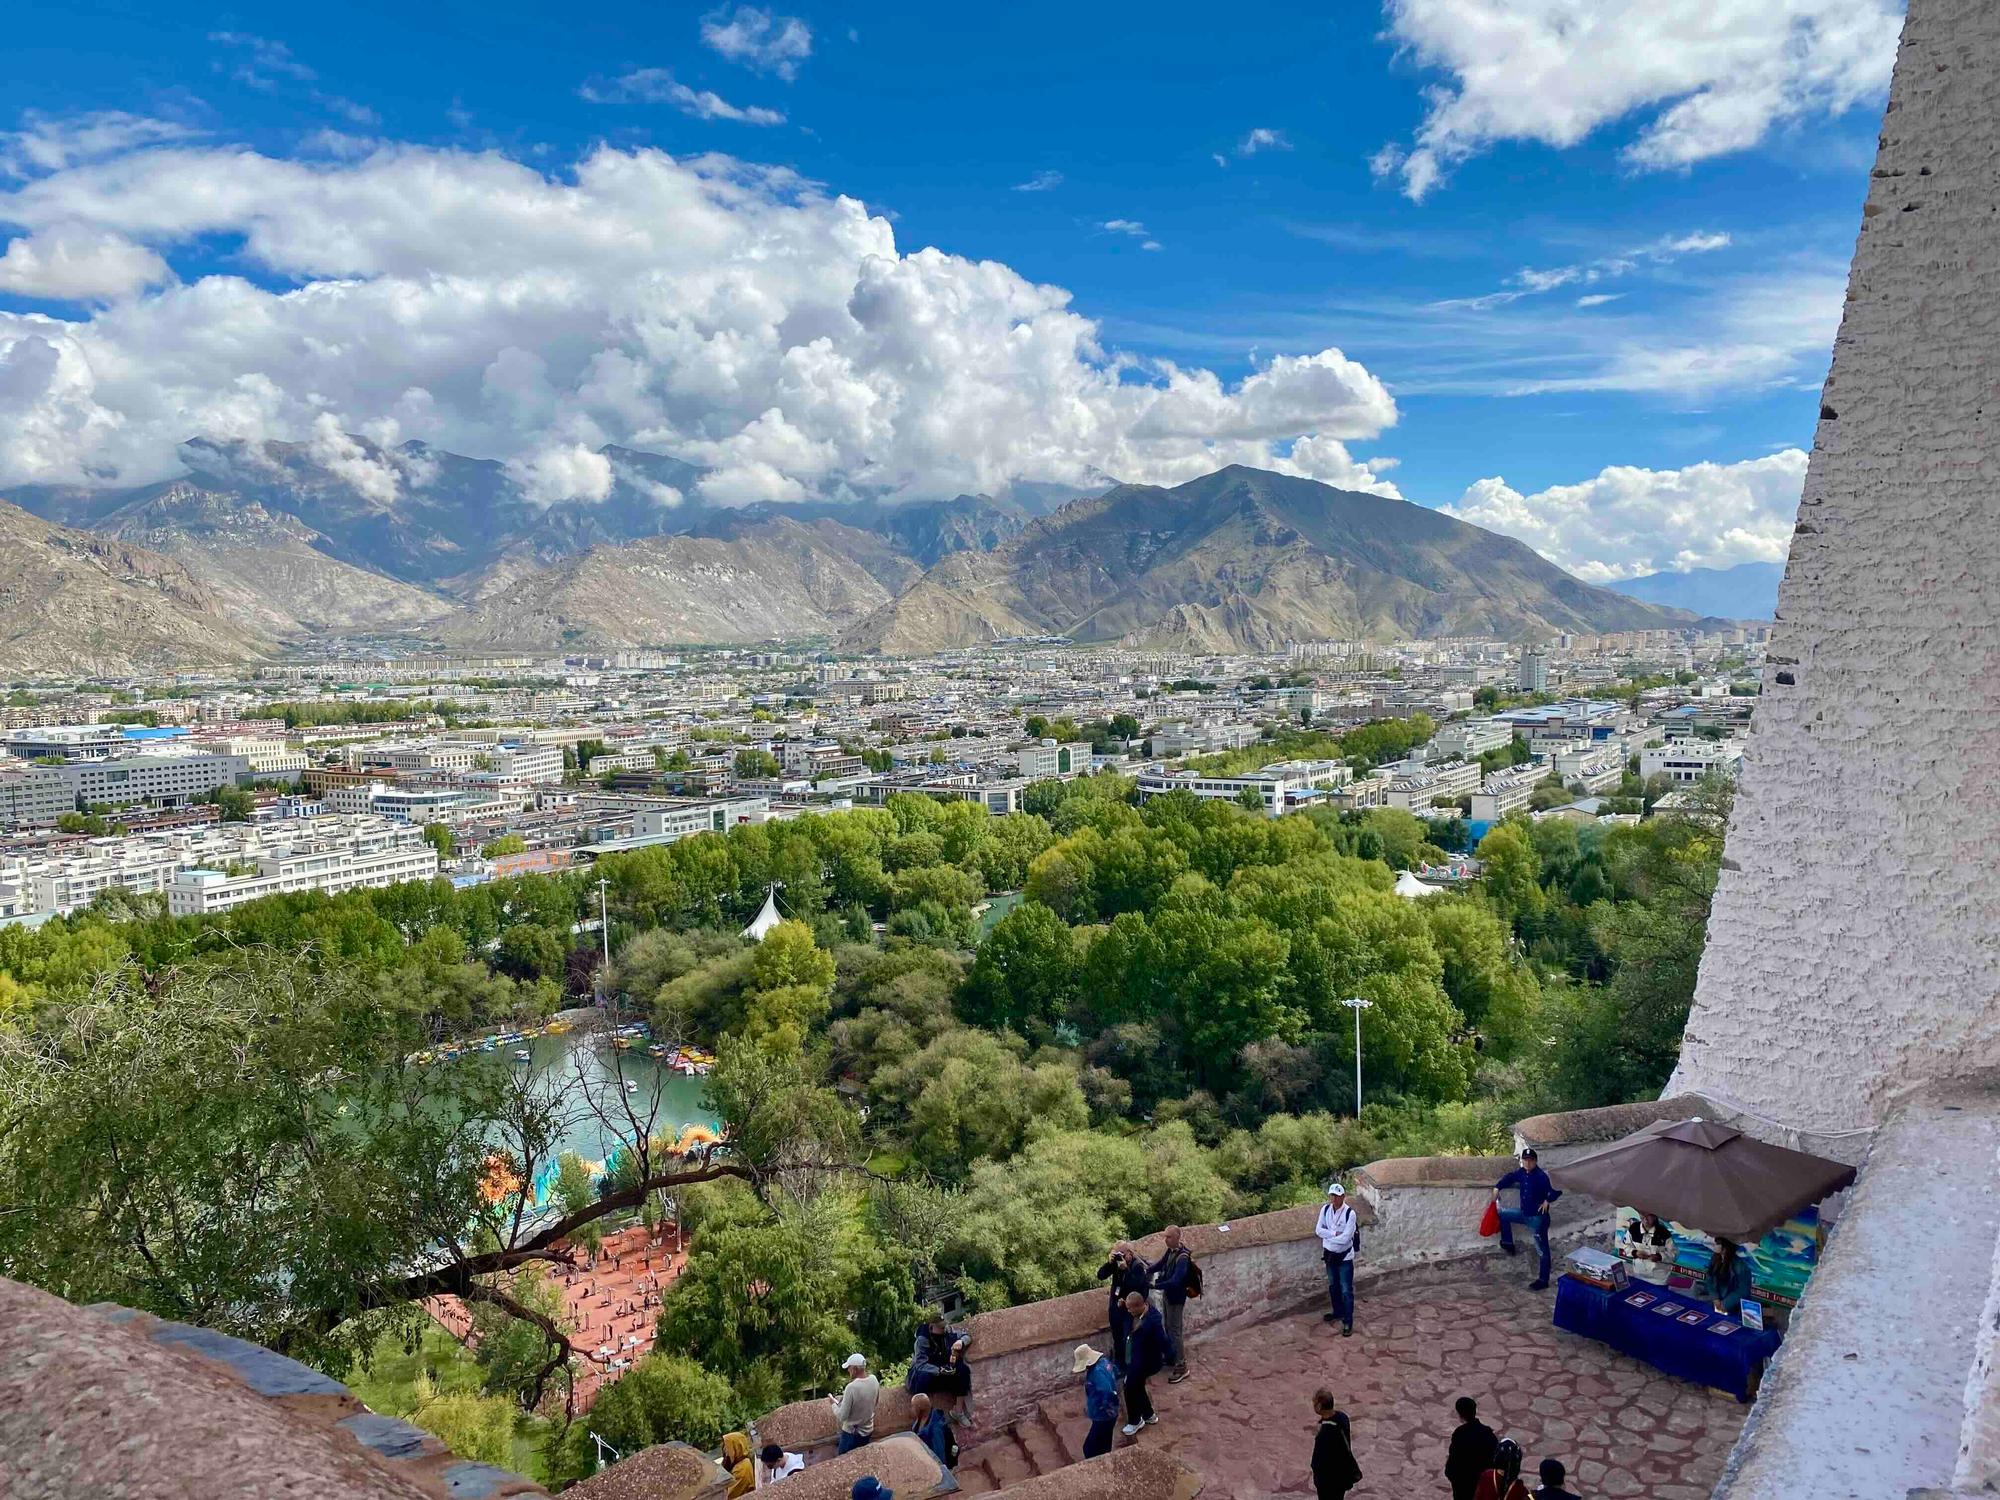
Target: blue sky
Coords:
[(1600, 279)]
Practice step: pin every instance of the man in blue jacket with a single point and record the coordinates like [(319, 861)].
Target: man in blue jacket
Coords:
[(1536, 1196), (1100, 1397)]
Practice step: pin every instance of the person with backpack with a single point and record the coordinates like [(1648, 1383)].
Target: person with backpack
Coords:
[(1128, 1273), (1502, 1479), (1176, 1278), (1339, 1231), (1100, 1397), (1334, 1470)]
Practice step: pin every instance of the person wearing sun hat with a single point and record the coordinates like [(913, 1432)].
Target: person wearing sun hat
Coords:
[(1100, 1397), (1339, 1231)]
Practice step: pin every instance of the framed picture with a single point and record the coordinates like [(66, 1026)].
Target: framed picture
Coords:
[(1641, 1299), (1693, 1318), (1666, 1309), (1724, 1328)]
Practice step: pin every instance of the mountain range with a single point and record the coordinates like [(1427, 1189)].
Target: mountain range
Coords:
[(1748, 591), (261, 543)]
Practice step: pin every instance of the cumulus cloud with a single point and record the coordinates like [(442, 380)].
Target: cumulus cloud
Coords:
[(78, 265), (659, 86), (555, 474), (1713, 76), (1628, 521), (757, 39), (367, 473), (1327, 460), (732, 314)]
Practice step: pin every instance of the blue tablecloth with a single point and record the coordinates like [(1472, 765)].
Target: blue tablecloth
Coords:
[(1690, 1351)]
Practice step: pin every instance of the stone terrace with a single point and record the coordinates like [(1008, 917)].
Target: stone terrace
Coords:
[(1423, 1338)]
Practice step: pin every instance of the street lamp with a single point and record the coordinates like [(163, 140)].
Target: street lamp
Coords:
[(1356, 1004)]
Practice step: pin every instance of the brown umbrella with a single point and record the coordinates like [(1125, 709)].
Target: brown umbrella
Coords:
[(1704, 1175)]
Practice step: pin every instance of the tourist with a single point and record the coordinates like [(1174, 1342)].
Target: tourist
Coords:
[(774, 1463), (1100, 1397), (1731, 1275), (736, 1459), (854, 1407), (1553, 1475), (1339, 1230), (1536, 1196), (1128, 1274), (1471, 1450), (1502, 1479), (868, 1487), (938, 1366), (1170, 1279), (1145, 1357), (1334, 1470), (929, 1427), (1649, 1246)]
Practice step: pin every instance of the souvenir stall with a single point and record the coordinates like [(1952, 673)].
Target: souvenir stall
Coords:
[(1720, 1236)]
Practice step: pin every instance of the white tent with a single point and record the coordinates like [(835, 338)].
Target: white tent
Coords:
[(766, 919), (1407, 885)]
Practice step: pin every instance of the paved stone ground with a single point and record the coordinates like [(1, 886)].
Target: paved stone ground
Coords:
[(611, 1303), (1244, 1418)]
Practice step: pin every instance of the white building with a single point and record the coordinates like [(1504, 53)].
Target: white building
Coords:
[(1688, 761), (160, 778), (331, 867), (1504, 792), (1047, 760), (1468, 739), (1600, 770), (1416, 789), (1281, 787)]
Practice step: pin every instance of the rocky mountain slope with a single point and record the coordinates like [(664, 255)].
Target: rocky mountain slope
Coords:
[(268, 571), (1242, 560), (74, 602), (1748, 591), (781, 578)]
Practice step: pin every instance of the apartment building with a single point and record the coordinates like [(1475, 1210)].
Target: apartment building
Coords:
[(333, 866), (1468, 739), (1504, 792), (1048, 760), (1688, 761), (1282, 787), (1417, 788), (32, 796), (1600, 770), (159, 778)]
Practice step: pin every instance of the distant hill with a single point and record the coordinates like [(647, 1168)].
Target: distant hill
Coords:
[(1245, 560), (74, 602), (1748, 591)]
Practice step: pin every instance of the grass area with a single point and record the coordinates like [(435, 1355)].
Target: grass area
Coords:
[(888, 1164), (389, 1386)]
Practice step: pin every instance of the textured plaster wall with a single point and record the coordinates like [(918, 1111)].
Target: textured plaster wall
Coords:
[(1854, 949)]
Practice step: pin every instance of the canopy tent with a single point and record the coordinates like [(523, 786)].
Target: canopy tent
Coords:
[(766, 919), (1706, 1176), (1408, 886)]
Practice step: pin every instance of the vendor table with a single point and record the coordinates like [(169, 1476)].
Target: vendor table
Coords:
[(1690, 1350)]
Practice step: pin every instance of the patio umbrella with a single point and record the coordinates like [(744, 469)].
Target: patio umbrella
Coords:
[(1704, 1175)]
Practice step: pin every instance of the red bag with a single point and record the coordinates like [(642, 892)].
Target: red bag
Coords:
[(1489, 1222)]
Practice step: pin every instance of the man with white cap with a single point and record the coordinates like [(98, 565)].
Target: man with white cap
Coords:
[(854, 1407), (1100, 1397), (1339, 1232)]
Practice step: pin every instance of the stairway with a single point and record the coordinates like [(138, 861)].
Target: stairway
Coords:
[(1049, 1438)]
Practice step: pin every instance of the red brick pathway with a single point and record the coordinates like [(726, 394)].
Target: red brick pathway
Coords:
[(610, 1304), (1244, 1418)]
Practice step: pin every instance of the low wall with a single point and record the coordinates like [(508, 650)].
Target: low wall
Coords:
[(1427, 1210)]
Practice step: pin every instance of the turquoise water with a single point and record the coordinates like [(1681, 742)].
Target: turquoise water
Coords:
[(585, 1076)]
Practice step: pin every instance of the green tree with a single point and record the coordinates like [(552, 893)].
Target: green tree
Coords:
[(664, 1398), (1027, 969), (1511, 873), (756, 765), (440, 838), (507, 843), (478, 1429)]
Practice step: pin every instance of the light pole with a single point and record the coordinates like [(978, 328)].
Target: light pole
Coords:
[(1356, 1004), (604, 931)]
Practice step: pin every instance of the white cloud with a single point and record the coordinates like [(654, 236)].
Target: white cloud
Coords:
[(658, 86), (1629, 521), (368, 472), (1041, 182), (1327, 460), (757, 39), (43, 144), (269, 67), (1598, 299), (1262, 139), (1529, 282), (77, 264), (1125, 226), (718, 310), (1717, 75), (569, 472)]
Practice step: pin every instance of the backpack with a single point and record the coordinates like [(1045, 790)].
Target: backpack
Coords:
[(1193, 1286)]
